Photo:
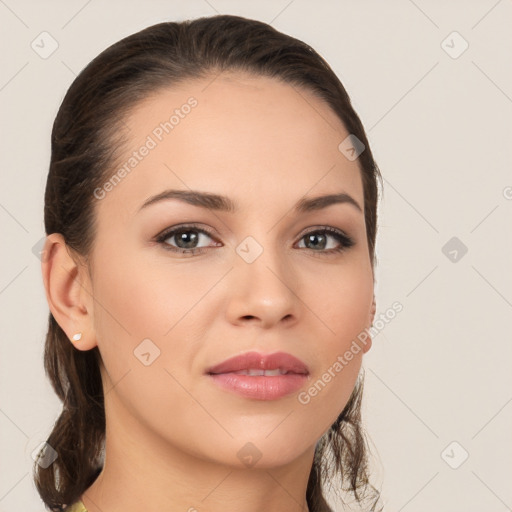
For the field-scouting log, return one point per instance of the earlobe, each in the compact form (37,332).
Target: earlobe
(67,298)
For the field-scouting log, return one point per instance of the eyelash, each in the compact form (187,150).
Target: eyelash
(345,241)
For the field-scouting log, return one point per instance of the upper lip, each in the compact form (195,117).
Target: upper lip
(254,360)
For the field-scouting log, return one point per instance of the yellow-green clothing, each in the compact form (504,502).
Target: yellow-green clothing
(78,506)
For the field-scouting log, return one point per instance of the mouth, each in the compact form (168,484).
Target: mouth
(260,377)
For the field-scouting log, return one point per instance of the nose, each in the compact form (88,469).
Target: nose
(262,292)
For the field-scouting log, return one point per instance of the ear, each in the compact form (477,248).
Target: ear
(371,316)
(372,312)
(68,293)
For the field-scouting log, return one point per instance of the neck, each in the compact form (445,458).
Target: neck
(144,472)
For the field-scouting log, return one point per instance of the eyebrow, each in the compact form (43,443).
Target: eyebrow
(225,204)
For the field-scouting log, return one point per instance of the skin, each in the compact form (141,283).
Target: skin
(173,436)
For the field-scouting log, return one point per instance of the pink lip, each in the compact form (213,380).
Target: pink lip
(281,360)
(260,387)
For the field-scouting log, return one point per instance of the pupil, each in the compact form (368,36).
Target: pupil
(313,236)
(188,238)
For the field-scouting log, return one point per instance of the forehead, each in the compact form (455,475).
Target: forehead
(239,132)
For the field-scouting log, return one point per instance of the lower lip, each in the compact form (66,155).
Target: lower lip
(260,387)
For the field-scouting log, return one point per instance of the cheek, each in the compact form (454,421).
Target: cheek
(127,311)
(138,300)
(342,302)
(143,298)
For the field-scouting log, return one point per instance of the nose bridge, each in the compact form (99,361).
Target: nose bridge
(262,280)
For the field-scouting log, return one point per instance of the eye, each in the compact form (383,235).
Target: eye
(185,239)
(318,240)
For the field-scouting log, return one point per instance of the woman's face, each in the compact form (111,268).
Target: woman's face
(265,278)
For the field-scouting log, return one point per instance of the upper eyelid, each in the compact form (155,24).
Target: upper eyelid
(168,232)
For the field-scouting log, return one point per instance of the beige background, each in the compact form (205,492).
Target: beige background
(440,128)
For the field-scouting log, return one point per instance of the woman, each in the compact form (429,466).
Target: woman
(211,211)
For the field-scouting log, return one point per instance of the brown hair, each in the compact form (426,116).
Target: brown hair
(84,137)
